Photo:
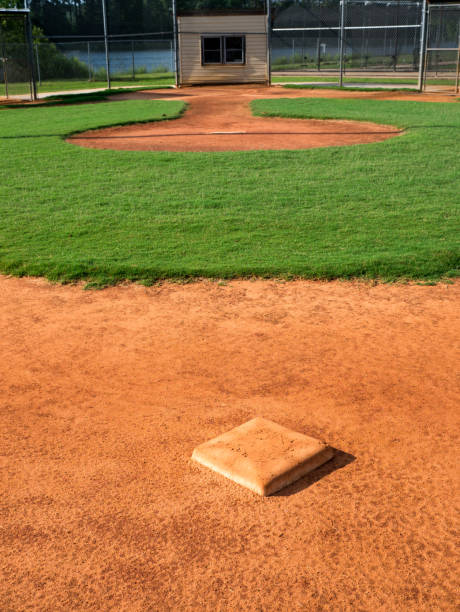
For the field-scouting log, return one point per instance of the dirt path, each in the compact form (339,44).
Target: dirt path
(104,395)
(219,119)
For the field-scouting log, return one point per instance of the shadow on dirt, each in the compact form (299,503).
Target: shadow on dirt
(338,461)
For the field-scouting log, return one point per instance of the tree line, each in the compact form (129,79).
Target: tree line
(84,17)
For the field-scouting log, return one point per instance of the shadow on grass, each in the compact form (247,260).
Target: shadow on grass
(149,94)
(338,461)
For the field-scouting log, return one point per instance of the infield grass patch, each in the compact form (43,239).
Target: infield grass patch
(387,210)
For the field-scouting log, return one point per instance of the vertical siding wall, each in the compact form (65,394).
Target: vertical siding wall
(190,29)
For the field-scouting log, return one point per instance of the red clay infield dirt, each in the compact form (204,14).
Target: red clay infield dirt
(104,395)
(219,119)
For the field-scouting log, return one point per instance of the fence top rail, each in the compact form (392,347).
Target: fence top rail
(101,36)
(100,42)
(14,11)
(376,27)
(398,3)
(86,42)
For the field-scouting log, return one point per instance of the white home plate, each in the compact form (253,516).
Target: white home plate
(263,456)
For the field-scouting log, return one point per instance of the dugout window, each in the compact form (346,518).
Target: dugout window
(211,49)
(228,49)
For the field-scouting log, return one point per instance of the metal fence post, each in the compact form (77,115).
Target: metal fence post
(132,61)
(342,40)
(269,40)
(457,76)
(106,43)
(3,60)
(38,64)
(5,75)
(421,63)
(89,61)
(396,47)
(30,54)
(176,58)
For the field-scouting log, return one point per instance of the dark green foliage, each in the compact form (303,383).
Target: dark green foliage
(66,17)
(55,65)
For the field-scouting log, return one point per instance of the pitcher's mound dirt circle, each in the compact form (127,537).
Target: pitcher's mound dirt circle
(220,120)
(311,134)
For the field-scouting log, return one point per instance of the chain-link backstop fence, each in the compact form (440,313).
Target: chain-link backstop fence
(373,36)
(129,59)
(305,37)
(382,35)
(16,68)
(379,35)
(69,63)
(443,42)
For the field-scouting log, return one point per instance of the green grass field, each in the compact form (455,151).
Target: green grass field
(387,210)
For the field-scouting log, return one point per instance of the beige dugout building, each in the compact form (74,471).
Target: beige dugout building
(216,48)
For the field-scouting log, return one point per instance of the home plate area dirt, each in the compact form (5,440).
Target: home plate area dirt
(105,394)
(220,119)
